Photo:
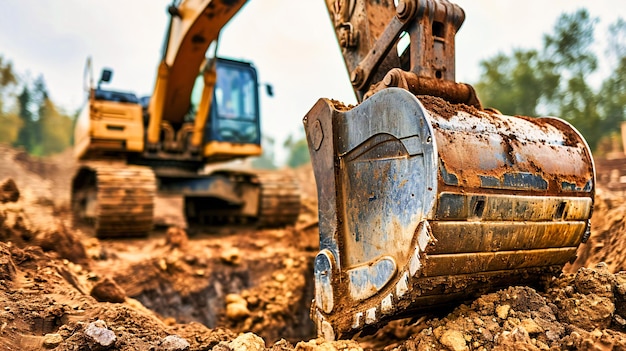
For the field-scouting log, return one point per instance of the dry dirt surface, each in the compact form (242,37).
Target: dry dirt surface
(246,289)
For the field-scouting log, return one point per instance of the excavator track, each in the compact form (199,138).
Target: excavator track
(234,197)
(117,200)
(279,203)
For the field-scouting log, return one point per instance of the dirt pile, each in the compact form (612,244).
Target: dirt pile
(250,289)
(252,281)
(607,242)
(41,180)
(576,312)
(47,304)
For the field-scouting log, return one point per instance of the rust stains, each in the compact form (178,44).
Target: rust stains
(483,149)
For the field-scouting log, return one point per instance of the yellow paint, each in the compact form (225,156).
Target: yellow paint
(224,148)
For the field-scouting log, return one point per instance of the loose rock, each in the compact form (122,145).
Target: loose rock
(9,191)
(51,341)
(98,333)
(107,290)
(503,311)
(176,237)
(237,311)
(173,343)
(247,342)
(231,255)
(454,340)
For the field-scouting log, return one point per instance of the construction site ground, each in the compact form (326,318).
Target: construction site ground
(246,289)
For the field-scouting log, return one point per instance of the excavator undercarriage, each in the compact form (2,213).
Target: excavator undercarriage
(117,199)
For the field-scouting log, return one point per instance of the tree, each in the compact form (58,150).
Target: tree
(7,75)
(25,137)
(298,151)
(44,130)
(9,120)
(516,84)
(570,52)
(55,129)
(550,81)
(612,102)
(30,101)
(11,125)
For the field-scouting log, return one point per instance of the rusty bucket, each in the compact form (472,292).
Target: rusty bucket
(424,203)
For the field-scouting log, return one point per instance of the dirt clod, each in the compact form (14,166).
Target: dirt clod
(236,307)
(320,344)
(176,237)
(107,290)
(454,340)
(51,341)
(231,255)
(247,342)
(9,191)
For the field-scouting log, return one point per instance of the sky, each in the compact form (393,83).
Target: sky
(291,42)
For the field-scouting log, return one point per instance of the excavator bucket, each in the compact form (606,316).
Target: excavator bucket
(424,203)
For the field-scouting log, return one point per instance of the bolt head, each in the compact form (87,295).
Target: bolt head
(356,76)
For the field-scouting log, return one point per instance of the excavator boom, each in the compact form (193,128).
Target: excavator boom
(194,25)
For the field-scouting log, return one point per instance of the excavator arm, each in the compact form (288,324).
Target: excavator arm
(371,35)
(194,25)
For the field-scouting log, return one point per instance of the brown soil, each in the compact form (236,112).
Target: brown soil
(63,289)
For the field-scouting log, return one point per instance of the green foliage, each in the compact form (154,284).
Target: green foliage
(7,75)
(9,120)
(613,98)
(569,47)
(26,137)
(516,85)
(33,121)
(56,129)
(11,125)
(555,79)
(612,102)
(298,152)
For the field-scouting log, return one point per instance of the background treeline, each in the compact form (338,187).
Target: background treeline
(28,118)
(562,78)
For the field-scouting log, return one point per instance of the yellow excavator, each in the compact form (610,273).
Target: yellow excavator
(203,111)
(426,198)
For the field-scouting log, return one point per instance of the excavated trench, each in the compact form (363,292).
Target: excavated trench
(272,313)
(204,306)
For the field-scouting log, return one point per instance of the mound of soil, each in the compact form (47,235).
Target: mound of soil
(248,289)
(607,242)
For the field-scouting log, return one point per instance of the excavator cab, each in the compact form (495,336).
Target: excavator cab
(234,115)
